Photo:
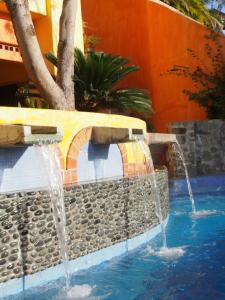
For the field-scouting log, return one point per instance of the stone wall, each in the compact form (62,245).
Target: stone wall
(203,145)
(98,215)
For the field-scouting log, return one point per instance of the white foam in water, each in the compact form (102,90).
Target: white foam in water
(171,253)
(203,213)
(179,213)
(150,250)
(80,292)
(168,253)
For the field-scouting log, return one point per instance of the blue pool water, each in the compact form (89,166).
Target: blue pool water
(142,275)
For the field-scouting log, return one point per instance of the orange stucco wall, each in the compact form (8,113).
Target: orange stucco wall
(6,30)
(155,37)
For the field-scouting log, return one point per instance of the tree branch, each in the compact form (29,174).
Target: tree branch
(32,56)
(66,49)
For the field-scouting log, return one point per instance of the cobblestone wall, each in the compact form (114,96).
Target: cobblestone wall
(203,145)
(98,215)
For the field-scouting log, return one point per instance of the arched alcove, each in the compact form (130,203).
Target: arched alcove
(98,162)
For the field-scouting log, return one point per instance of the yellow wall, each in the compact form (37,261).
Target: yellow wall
(36,6)
(72,122)
(56,8)
(47,28)
(45,33)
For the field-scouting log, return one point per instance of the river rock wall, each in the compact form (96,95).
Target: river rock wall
(203,145)
(98,215)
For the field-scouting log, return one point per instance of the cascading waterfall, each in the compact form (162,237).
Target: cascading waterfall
(195,213)
(179,149)
(134,149)
(165,251)
(55,189)
(158,208)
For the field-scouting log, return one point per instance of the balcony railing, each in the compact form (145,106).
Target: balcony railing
(10,52)
(8,44)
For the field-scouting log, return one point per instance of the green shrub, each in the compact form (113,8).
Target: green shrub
(209,82)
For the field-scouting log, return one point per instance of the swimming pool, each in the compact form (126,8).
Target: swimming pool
(144,275)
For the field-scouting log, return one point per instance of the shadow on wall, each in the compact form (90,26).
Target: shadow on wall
(158,152)
(97,151)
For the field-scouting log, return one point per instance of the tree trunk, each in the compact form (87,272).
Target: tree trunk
(66,50)
(32,56)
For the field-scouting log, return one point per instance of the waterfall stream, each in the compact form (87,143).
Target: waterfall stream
(55,189)
(179,149)
(165,251)
(196,214)
(158,208)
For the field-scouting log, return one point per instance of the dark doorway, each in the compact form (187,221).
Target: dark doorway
(7,95)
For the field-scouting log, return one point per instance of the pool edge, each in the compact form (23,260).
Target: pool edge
(19,285)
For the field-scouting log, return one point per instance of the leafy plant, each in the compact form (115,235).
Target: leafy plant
(197,10)
(209,82)
(96,79)
(90,41)
(28,96)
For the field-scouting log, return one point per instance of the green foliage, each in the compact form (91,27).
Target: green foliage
(28,96)
(209,82)
(197,10)
(90,41)
(96,80)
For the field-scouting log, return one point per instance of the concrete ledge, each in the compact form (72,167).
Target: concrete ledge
(11,135)
(160,138)
(16,286)
(110,135)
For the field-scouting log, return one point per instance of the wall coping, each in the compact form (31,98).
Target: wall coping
(176,11)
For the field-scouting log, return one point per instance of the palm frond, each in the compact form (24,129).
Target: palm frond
(96,75)
(198,10)
(132,99)
(51,58)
